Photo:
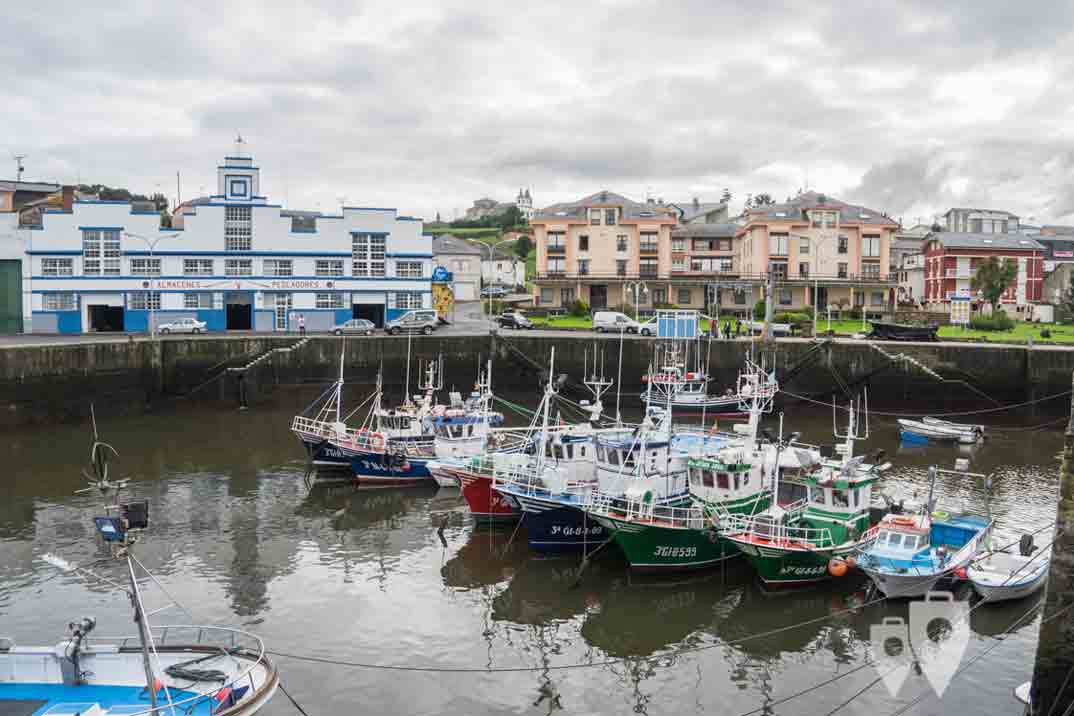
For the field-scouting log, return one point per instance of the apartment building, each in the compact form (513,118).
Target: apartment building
(980,221)
(601,249)
(951,259)
(817,244)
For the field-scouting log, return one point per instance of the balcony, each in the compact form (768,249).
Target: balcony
(957,273)
(557,248)
(648,248)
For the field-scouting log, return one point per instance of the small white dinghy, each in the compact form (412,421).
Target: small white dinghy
(1000,576)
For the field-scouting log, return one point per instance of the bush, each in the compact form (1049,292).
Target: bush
(797,318)
(578,308)
(758,310)
(998,321)
(1045,333)
(495,305)
(664,307)
(853,314)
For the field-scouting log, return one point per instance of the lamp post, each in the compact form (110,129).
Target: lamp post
(491,248)
(151,243)
(636,286)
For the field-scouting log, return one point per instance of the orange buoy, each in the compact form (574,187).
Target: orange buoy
(837,567)
(157,686)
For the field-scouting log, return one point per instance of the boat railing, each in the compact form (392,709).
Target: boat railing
(778,532)
(228,639)
(795,509)
(320,428)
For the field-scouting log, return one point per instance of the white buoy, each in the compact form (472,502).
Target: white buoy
(962,464)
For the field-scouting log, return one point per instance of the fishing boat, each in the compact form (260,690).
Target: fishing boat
(936,430)
(909,554)
(809,540)
(681,380)
(195,670)
(323,421)
(1001,576)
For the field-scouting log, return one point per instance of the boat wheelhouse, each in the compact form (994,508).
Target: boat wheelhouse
(462,428)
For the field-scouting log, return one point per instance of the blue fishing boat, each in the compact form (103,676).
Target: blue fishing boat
(908,555)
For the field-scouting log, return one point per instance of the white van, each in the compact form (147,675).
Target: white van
(618,322)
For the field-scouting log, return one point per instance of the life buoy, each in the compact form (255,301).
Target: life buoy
(897,520)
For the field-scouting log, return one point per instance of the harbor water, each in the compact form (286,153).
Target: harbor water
(359,579)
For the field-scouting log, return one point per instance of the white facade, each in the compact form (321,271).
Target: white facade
(912,278)
(503,271)
(234,262)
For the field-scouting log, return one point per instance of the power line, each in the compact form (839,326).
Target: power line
(940,415)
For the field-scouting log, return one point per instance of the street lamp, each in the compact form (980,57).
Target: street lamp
(151,242)
(636,286)
(490,248)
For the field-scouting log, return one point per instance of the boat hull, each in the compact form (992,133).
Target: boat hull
(552,527)
(323,453)
(387,470)
(657,549)
(778,567)
(905,586)
(486,504)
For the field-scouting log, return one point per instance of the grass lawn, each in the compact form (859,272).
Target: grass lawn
(564,322)
(1020,334)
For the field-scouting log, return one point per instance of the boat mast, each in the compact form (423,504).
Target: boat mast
(339,383)
(932,486)
(406,395)
(548,393)
(143,635)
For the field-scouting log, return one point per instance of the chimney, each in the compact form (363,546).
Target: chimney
(68,201)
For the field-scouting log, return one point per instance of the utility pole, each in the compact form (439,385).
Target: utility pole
(769,291)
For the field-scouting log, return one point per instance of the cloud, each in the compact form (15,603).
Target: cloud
(908,108)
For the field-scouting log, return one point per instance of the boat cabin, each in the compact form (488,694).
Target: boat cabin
(902,535)
(723,478)
(631,456)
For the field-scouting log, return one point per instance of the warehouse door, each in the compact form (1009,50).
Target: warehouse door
(10,296)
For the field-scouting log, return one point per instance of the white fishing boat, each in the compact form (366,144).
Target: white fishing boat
(184,670)
(1001,576)
(936,430)
(678,380)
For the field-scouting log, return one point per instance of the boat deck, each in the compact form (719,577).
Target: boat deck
(89,700)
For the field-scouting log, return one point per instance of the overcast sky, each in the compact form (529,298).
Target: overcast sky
(908,110)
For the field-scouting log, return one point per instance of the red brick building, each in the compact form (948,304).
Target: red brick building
(952,258)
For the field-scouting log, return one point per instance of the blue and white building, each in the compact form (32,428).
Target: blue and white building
(233,260)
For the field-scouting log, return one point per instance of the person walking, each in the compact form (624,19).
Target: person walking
(302,324)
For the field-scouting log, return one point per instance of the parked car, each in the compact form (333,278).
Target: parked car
(181,325)
(515,319)
(359,326)
(422,320)
(619,322)
(493,291)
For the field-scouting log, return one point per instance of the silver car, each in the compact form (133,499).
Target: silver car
(357,326)
(422,320)
(181,325)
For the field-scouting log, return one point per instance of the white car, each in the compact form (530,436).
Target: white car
(181,325)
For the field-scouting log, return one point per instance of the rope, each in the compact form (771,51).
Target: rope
(938,415)
(292,700)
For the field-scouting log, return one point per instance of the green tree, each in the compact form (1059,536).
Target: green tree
(511,217)
(523,246)
(1066,300)
(763,200)
(993,277)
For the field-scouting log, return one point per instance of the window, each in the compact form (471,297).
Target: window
(870,269)
(238,228)
(408,300)
(843,243)
(367,254)
(876,298)
(408,269)
(101,252)
(778,269)
(547,295)
(278,267)
(621,243)
(197,267)
(803,269)
(841,270)
(331,300)
(58,302)
(556,241)
(803,246)
(57,267)
(678,244)
(566,295)
(197,300)
(145,267)
(727,265)
(684,296)
(870,246)
(777,244)
(648,242)
(609,217)
(144,300)
(678,263)
(660,296)
(740,296)
(620,267)
(583,243)
(648,268)
(460,265)
(583,267)
(707,478)
(238,267)
(557,265)
(723,480)
(329,268)
(594,217)
(859,298)
(785,297)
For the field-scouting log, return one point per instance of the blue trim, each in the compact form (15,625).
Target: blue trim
(241,159)
(408,218)
(100,228)
(409,256)
(236,183)
(369,233)
(49,210)
(54,253)
(242,254)
(224,289)
(303,231)
(66,321)
(238,166)
(366,208)
(144,213)
(236,203)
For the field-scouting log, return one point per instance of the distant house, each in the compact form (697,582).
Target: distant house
(486,207)
(980,221)
(952,258)
(16,194)
(504,268)
(463,260)
(696,211)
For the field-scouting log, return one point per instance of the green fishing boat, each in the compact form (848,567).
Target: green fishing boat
(809,540)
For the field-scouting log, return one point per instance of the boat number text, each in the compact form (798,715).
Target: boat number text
(676,551)
(574,531)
